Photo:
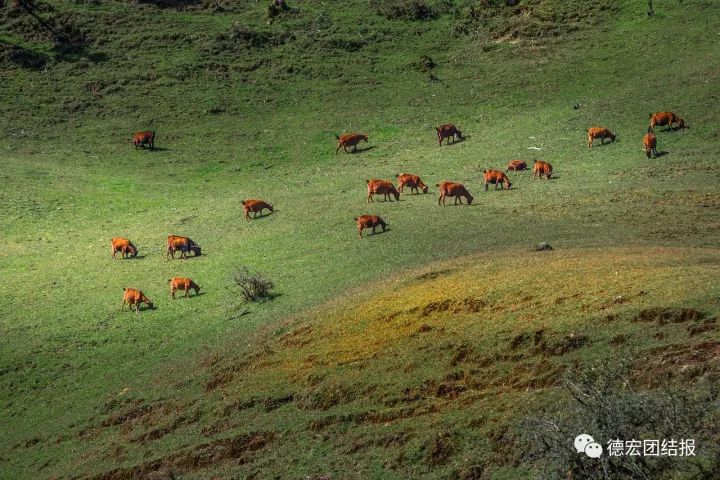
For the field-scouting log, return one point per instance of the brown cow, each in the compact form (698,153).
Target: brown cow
(447,130)
(650,143)
(451,189)
(666,118)
(143,138)
(516,166)
(369,221)
(412,181)
(255,206)
(350,140)
(183,245)
(496,177)
(599,132)
(182,283)
(542,169)
(134,297)
(381,187)
(123,245)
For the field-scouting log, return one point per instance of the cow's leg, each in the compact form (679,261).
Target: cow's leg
(122,305)
(360,232)
(373,229)
(186,292)
(113,254)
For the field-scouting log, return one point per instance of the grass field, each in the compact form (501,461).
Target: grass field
(334,376)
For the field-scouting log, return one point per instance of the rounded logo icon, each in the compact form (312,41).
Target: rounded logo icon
(582,441)
(593,450)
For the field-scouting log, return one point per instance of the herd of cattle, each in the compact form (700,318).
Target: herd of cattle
(540,169)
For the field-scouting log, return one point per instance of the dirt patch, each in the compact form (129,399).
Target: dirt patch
(439,449)
(208,454)
(708,325)
(661,316)
(465,305)
(682,362)
(218,380)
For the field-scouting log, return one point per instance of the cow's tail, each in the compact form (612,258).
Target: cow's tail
(355,219)
(650,115)
(337,137)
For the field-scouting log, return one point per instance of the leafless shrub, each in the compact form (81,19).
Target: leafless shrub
(253,286)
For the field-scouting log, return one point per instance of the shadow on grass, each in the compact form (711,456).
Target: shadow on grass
(362,149)
(661,154)
(156,149)
(459,140)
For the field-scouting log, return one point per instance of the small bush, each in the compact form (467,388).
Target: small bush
(254,287)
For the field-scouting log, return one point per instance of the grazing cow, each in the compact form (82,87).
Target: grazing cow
(350,140)
(516,166)
(448,131)
(601,133)
(666,118)
(369,221)
(124,246)
(183,245)
(650,143)
(451,189)
(134,297)
(542,169)
(146,137)
(182,283)
(255,206)
(381,187)
(412,181)
(496,177)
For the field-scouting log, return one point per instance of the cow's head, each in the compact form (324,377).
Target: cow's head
(459,133)
(681,122)
(469,199)
(150,304)
(396,194)
(196,250)
(132,250)
(612,136)
(270,207)
(364,137)
(425,188)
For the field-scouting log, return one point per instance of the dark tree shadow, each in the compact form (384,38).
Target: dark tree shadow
(22,57)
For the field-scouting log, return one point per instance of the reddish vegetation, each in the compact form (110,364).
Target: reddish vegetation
(350,140)
(542,169)
(134,297)
(255,206)
(451,189)
(448,131)
(369,221)
(381,187)
(496,177)
(412,181)
(599,132)
(183,283)
(124,246)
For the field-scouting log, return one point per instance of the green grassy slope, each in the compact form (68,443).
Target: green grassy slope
(252,112)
